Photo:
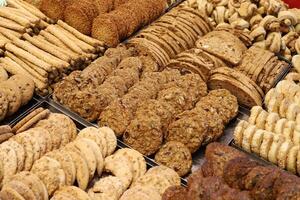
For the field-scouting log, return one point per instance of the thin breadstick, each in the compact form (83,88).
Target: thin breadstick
(48,48)
(27,67)
(9,33)
(26,12)
(83,45)
(23,14)
(29,57)
(48,58)
(42,115)
(3,41)
(79,35)
(67,41)
(43,24)
(42,72)
(7,14)
(7,23)
(51,38)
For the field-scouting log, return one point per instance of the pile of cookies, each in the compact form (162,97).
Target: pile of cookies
(230,173)
(15,92)
(22,150)
(174,32)
(52,54)
(102,82)
(5,133)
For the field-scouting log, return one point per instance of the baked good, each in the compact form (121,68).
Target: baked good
(175,193)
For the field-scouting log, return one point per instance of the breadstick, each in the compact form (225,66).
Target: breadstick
(26,12)
(51,38)
(3,40)
(67,41)
(44,114)
(1,52)
(48,58)
(47,47)
(7,23)
(9,33)
(31,58)
(41,71)
(79,35)
(7,14)
(43,24)
(83,45)
(23,14)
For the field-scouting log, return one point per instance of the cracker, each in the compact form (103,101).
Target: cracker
(13,95)
(266,144)
(271,121)
(10,161)
(3,105)
(26,119)
(167,172)
(176,156)
(121,168)
(42,115)
(272,155)
(137,160)
(111,139)
(247,137)
(257,141)
(283,153)
(291,161)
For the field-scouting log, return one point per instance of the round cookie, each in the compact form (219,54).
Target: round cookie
(13,95)
(26,86)
(110,185)
(170,174)
(176,156)
(111,139)
(175,193)
(3,105)
(140,192)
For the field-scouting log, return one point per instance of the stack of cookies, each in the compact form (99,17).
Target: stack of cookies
(263,67)
(15,92)
(102,82)
(173,33)
(204,123)
(22,150)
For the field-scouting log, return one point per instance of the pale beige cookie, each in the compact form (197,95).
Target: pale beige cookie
(9,160)
(111,139)
(291,93)
(257,141)
(50,172)
(88,154)
(270,95)
(266,144)
(22,189)
(247,137)
(36,149)
(141,192)
(39,135)
(291,161)
(289,130)
(160,183)
(20,152)
(282,153)
(271,121)
(75,192)
(121,168)
(97,152)
(95,135)
(283,108)
(67,164)
(279,126)
(274,149)
(284,85)
(292,111)
(274,104)
(99,196)
(168,173)
(10,194)
(63,196)
(82,170)
(3,105)
(296,135)
(137,160)
(261,120)
(34,183)
(238,132)
(298,118)
(255,111)
(110,185)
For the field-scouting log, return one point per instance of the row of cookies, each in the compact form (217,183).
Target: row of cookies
(174,32)
(50,55)
(273,147)
(239,171)
(15,92)
(22,150)
(119,70)
(121,112)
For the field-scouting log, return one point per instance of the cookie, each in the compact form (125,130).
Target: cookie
(167,172)
(271,122)
(110,185)
(26,87)
(175,193)
(261,120)
(176,156)
(3,105)
(238,132)
(13,95)
(21,189)
(9,193)
(291,161)
(10,161)
(289,130)
(141,192)
(20,153)
(266,144)
(274,149)
(111,139)
(75,192)
(283,153)
(247,137)
(292,111)
(257,141)
(5,136)
(280,125)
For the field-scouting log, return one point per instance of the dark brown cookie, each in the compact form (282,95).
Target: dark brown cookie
(175,193)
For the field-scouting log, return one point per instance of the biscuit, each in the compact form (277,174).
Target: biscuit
(283,153)
(247,137)
(3,105)
(9,193)
(10,161)
(271,122)
(289,130)
(141,192)
(176,156)
(266,144)
(167,172)
(121,168)
(38,134)
(274,105)
(137,160)
(291,161)
(20,153)
(284,105)
(67,164)
(279,126)
(292,111)
(273,152)
(110,185)
(13,95)
(21,188)
(261,120)
(238,132)
(111,139)
(255,111)
(296,135)
(76,192)
(256,141)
